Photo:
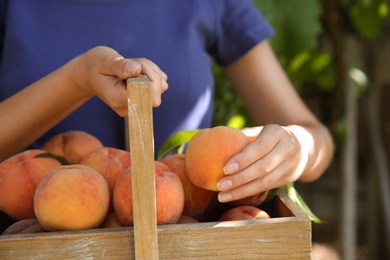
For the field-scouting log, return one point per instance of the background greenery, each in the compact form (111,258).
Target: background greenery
(300,43)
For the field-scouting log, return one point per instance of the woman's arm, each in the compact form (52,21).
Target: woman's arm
(292,143)
(101,71)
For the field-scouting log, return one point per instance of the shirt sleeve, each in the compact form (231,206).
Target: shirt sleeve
(241,26)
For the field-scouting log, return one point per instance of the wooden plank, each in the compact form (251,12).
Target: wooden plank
(141,139)
(276,238)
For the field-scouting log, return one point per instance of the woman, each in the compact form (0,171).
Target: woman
(183,38)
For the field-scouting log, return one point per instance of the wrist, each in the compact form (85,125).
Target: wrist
(306,144)
(74,73)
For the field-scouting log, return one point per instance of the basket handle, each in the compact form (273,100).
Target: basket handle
(141,146)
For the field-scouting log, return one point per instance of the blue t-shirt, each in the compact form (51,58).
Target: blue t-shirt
(181,37)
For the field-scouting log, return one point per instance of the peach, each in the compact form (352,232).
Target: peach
(19,177)
(209,150)
(111,221)
(109,162)
(24,226)
(169,196)
(73,145)
(254,200)
(72,197)
(196,199)
(186,220)
(244,213)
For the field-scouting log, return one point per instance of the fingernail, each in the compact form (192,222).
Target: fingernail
(225,197)
(230,168)
(224,184)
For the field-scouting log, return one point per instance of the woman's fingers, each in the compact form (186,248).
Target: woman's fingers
(268,162)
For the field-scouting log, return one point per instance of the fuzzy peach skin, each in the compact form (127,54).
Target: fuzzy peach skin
(196,199)
(169,196)
(72,197)
(111,221)
(19,177)
(209,150)
(110,163)
(244,213)
(73,145)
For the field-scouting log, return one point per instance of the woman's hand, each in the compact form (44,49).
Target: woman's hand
(102,72)
(292,145)
(274,159)
(99,72)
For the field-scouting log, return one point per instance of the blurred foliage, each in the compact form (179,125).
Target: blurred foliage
(296,24)
(228,109)
(367,16)
(296,42)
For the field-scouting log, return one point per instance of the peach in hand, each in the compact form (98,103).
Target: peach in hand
(72,197)
(72,145)
(209,150)
(19,177)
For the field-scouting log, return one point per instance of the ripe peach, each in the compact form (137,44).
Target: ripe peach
(209,150)
(19,177)
(109,162)
(254,200)
(24,226)
(169,196)
(72,197)
(73,145)
(196,199)
(244,213)
(111,221)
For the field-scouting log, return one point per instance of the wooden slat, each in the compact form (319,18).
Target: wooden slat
(141,139)
(276,238)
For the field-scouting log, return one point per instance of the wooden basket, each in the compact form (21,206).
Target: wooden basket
(287,235)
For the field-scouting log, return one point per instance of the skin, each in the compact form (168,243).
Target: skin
(292,144)
(98,72)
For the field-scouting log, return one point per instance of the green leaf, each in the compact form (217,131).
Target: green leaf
(313,67)
(271,194)
(368,17)
(296,197)
(59,158)
(176,143)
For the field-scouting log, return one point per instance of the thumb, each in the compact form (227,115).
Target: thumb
(126,68)
(114,64)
